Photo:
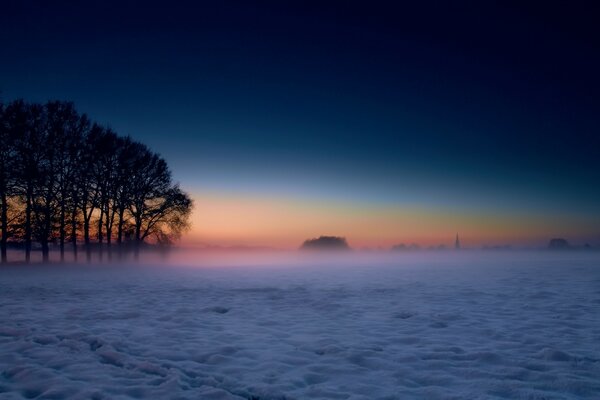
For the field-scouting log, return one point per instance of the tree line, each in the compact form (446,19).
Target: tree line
(69,181)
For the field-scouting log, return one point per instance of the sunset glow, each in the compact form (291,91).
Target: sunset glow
(242,219)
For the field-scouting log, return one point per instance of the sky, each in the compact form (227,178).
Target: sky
(384,122)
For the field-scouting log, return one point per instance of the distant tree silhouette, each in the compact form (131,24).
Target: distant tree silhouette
(326,243)
(64,178)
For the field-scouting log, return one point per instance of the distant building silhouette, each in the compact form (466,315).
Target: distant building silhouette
(457,243)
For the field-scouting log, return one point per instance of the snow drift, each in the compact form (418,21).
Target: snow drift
(421,327)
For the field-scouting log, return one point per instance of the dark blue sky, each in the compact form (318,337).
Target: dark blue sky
(466,106)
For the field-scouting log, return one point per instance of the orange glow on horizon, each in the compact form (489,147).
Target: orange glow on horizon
(248,220)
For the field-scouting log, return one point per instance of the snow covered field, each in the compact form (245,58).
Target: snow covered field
(438,326)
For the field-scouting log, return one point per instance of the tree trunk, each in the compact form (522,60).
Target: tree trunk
(74,232)
(138,239)
(4,222)
(109,245)
(47,230)
(100,219)
(28,208)
(120,231)
(86,235)
(109,225)
(45,251)
(63,230)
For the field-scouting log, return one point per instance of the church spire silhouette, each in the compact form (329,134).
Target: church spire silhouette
(457,243)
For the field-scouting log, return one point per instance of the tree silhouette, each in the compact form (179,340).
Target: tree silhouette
(64,178)
(325,243)
(7,156)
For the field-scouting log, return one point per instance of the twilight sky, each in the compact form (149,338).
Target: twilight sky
(382,123)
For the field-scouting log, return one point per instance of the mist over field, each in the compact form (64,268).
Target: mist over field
(252,325)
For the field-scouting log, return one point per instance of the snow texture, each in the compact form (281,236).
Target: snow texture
(475,327)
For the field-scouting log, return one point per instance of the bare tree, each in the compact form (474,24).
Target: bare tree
(159,209)
(168,217)
(59,172)
(87,185)
(126,162)
(104,171)
(7,157)
(26,123)
(69,127)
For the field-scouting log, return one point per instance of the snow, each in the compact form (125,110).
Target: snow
(474,326)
